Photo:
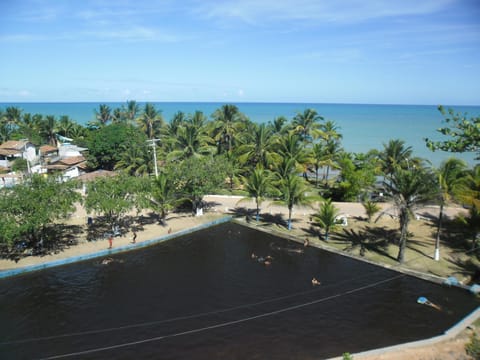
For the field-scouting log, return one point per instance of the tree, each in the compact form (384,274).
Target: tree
(258,184)
(409,190)
(326,217)
(135,159)
(103,115)
(159,194)
(307,124)
(394,154)
(48,130)
(112,197)
(196,177)
(257,146)
(469,194)
(29,209)
(451,175)
(105,144)
(292,192)
(227,123)
(191,141)
(353,180)
(463,133)
(150,121)
(371,208)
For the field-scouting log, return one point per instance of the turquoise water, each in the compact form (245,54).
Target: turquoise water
(363,126)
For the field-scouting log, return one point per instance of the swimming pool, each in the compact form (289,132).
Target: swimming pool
(202,296)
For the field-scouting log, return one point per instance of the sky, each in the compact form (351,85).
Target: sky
(318,51)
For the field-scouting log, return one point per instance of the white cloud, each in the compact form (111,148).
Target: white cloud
(345,11)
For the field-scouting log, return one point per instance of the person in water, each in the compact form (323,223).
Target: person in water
(315,282)
(107,261)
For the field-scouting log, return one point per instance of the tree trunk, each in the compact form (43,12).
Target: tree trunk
(290,218)
(258,209)
(404,219)
(439,229)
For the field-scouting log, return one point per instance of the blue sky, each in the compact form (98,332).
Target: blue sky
(327,51)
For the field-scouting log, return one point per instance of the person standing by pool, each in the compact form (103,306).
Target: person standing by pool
(134,236)
(110,241)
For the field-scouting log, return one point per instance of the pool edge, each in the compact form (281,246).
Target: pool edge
(120,249)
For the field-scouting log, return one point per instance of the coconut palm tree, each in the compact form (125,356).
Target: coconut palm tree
(48,130)
(307,124)
(191,141)
(227,123)
(257,146)
(451,175)
(326,217)
(103,115)
(470,195)
(292,192)
(409,190)
(130,112)
(135,160)
(150,121)
(162,197)
(394,154)
(258,184)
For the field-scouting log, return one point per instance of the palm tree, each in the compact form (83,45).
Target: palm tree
(451,175)
(48,130)
(131,111)
(135,160)
(29,127)
(394,154)
(326,217)
(292,192)
(371,208)
(470,195)
(103,115)
(227,123)
(150,121)
(258,184)
(409,190)
(191,141)
(162,196)
(307,124)
(257,146)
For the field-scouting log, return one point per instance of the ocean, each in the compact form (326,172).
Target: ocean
(363,126)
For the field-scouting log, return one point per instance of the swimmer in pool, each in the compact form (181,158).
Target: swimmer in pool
(315,282)
(107,261)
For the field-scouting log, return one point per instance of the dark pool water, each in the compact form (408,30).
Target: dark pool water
(201,296)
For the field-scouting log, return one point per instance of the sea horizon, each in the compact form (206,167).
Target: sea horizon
(363,126)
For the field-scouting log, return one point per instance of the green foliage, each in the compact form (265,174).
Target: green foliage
(292,192)
(347,356)
(106,145)
(353,180)
(409,189)
(20,165)
(112,197)
(326,217)
(473,347)
(26,210)
(463,134)
(196,177)
(371,208)
(258,185)
(159,194)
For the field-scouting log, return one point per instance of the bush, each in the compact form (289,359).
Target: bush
(473,347)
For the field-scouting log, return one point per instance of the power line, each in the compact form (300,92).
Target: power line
(224,324)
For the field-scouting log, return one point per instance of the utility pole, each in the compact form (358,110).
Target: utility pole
(153,143)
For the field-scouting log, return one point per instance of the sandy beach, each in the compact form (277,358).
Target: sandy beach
(219,206)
